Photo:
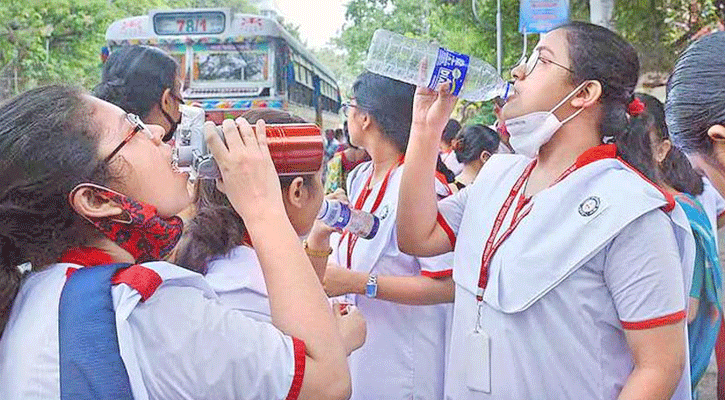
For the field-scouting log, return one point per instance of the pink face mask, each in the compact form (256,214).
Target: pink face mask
(139,229)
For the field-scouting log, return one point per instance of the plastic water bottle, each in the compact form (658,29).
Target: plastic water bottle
(399,57)
(338,215)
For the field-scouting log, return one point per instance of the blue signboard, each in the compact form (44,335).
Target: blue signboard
(541,16)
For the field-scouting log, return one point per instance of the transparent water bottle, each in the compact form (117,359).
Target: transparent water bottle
(399,57)
(338,215)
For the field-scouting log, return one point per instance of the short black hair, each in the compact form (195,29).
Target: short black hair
(389,102)
(135,77)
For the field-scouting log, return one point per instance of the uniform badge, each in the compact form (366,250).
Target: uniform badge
(384,212)
(589,206)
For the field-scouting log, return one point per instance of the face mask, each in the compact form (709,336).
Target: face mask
(139,229)
(529,132)
(173,125)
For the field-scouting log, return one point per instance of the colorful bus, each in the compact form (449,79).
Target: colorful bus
(233,62)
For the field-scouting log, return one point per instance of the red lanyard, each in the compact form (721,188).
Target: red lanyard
(492,244)
(367,190)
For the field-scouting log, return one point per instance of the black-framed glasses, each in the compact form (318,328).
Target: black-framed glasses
(531,61)
(346,107)
(137,126)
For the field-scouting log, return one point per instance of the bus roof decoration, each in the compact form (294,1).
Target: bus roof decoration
(237,28)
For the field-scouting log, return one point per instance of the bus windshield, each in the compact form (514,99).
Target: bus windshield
(228,63)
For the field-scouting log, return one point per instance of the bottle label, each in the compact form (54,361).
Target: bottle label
(344,218)
(450,67)
(374,229)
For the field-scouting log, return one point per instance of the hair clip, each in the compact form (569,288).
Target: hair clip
(636,107)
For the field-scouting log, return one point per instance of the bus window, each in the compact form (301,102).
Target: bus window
(224,64)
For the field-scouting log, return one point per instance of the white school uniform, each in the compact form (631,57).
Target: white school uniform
(179,343)
(238,280)
(594,254)
(404,353)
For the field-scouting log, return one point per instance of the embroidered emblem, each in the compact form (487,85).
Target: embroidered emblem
(384,212)
(589,206)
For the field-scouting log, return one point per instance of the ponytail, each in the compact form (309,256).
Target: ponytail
(598,54)
(10,277)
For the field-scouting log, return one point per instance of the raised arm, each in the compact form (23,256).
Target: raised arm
(298,304)
(419,233)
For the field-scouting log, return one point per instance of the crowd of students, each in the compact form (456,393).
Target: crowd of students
(568,252)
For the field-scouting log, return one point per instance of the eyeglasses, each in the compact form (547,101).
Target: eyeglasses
(533,59)
(138,126)
(346,107)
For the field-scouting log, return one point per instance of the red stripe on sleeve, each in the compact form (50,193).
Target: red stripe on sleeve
(437,274)
(143,279)
(447,229)
(655,322)
(300,359)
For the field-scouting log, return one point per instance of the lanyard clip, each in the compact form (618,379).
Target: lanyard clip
(478,317)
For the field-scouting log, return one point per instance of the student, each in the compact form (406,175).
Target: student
(448,157)
(571,270)
(695,114)
(144,81)
(672,171)
(216,244)
(473,146)
(88,195)
(405,349)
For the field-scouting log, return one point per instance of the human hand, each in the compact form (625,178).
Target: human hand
(249,178)
(321,231)
(353,327)
(432,109)
(339,281)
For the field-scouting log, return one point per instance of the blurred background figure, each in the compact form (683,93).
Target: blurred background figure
(342,162)
(447,155)
(473,145)
(144,81)
(671,170)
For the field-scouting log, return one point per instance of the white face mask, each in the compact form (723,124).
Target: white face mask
(531,131)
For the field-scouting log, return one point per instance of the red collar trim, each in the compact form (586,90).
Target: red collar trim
(86,256)
(605,151)
(597,153)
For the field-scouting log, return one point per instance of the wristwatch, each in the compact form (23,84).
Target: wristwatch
(371,288)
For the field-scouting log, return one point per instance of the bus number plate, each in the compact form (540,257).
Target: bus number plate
(203,23)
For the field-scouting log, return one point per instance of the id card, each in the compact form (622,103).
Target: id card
(478,362)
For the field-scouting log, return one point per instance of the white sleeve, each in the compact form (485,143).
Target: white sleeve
(189,346)
(644,274)
(450,213)
(437,267)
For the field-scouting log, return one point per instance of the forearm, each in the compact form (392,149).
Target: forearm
(651,383)
(317,245)
(412,290)
(417,203)
(298,304)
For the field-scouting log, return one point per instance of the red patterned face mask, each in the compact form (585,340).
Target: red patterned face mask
(139,229)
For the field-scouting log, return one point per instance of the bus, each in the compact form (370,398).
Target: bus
(233,62)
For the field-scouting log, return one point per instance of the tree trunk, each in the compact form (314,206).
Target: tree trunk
(601,12)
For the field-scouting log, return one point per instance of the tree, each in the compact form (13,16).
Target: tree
(50,41)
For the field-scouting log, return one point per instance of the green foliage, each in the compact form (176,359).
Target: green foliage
(659,29)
